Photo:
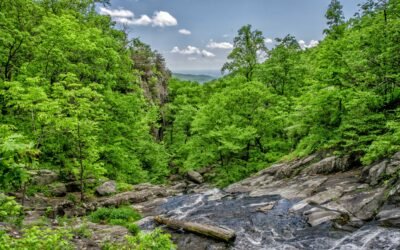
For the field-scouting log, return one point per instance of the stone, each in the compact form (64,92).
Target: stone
(58,189)
(107,188)
(376,172)
(319,216)
(363,205)
(389,217)
(43,177)
(396,156)
(101,234)
(267,207)
(195,177)
(392,168)
(133,197)
(329,165)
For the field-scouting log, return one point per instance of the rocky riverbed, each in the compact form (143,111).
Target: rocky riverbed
(311,203)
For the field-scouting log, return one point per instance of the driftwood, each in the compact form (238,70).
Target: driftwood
(215,232)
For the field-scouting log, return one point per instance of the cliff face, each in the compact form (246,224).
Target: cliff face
(154,80)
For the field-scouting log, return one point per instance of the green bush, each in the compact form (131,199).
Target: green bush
(124,187)
(156,240)
(123,216)
(10,210)
(38,238)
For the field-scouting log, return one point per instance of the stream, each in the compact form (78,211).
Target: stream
(272,228)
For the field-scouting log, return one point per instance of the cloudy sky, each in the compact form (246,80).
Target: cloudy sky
(197,35)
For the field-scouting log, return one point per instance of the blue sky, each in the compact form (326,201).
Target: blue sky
(196,35)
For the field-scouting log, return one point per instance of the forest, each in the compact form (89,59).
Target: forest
(81,98)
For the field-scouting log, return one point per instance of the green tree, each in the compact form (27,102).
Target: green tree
(248,45)
(335,19)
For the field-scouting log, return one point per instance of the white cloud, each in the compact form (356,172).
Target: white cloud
(206,53)
(191,50)
(144,20)
(163,18)
(268,40)
(311,44)
(185,32)
(159,18)
(116,13)
(222,45)
(192,58)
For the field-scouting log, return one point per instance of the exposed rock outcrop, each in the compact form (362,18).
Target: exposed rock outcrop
(107,188)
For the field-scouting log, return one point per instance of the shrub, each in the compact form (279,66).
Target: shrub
(37,238)
(155,240)
(123,216)
(10,210)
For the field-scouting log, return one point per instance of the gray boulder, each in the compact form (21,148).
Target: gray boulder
(389,216)
(195,177)
(329,165)
(43,177)
(107,188)
(58,189)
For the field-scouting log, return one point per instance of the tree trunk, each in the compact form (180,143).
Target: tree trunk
(215,232)
(81,163)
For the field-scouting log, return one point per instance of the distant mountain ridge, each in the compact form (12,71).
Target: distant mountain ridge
(202,78)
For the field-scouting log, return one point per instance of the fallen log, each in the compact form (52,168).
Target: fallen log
(215,232)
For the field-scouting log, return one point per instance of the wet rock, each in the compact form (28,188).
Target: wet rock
(389,217)
(317,216)
(107,188)
(43,177)
(58,189)
(148,206)
(266,207)
(195,177)
(363,205)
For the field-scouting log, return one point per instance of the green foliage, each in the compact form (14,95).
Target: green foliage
(10,210)
(342,96)
(17,156)
(38,238)
(123,216)
(155,240)
(124,187)
(71,89)
(244,56)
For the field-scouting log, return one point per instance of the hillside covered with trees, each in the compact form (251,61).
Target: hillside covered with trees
(81,98)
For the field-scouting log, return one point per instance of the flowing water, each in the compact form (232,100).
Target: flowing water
(277,228)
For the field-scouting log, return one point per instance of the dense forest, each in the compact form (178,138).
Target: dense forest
(81,98)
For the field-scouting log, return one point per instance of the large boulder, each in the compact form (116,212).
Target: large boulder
(58,189)
(330,165)
(389,216)
(375,173)
(107,188)
(43,177)
(195,177)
